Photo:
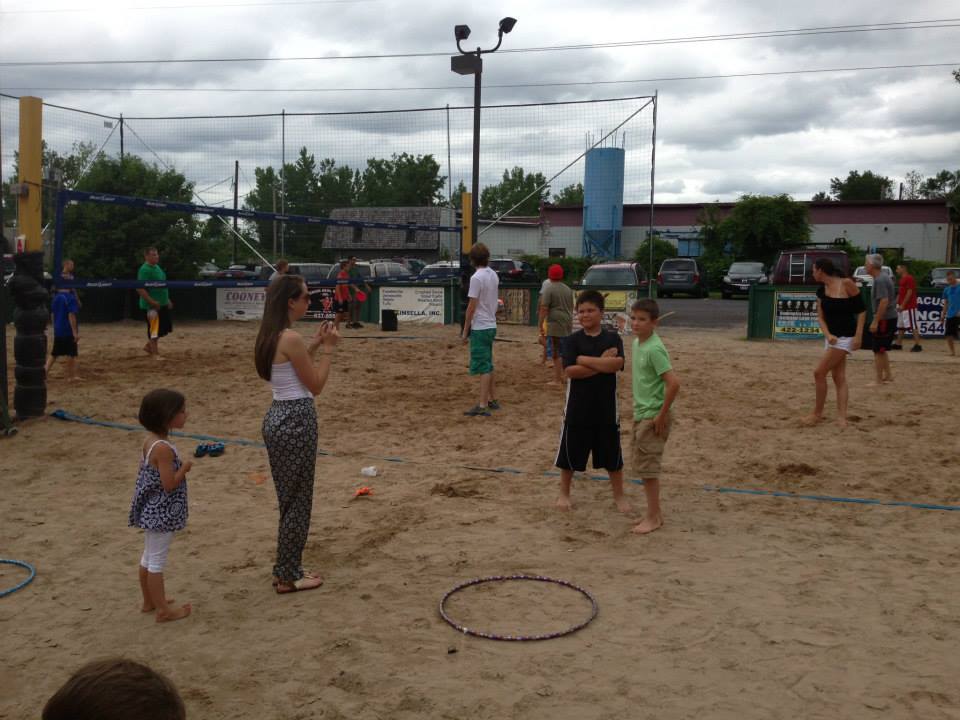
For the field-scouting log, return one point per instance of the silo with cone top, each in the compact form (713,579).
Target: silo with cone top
(603,202)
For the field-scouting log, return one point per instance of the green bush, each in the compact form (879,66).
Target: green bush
(920,269)
(662,249)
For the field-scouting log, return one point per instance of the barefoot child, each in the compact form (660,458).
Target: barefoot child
(592,358)
(655,387)
(159,504)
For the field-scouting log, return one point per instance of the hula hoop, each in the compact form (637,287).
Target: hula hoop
(502,578)
(22,584)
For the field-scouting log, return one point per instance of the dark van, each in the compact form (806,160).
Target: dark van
(795,267)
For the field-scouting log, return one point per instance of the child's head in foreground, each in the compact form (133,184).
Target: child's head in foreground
(590,309)
(160,410)
(115,689)
(644,315)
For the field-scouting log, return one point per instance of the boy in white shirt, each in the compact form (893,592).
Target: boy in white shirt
(480,327)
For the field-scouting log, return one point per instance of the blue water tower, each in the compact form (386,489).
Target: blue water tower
(603,202)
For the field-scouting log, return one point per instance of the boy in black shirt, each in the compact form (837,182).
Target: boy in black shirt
(592,357)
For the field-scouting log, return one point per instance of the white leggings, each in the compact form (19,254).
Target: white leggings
(156,545)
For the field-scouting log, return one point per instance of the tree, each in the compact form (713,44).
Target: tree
(662,249)
(62,171)
(108,241)
(516,186)
(402,181)
(757,228)
(570,195)
(912,183)
(820,197)
(862,187)
(457,199)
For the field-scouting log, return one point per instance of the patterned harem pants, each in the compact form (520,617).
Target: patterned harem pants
(290,433)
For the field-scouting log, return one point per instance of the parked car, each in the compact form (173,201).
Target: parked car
(795,266)
(439,271)
(390,269)
(208,270)
(510,270)
(615,275)
(938,276)
(376,270)
(740,277)
(363,268)
(413,265)
(241,272)
(311,272)
(683,275)
(862,277)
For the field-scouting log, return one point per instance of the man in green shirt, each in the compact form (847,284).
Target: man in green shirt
(155,301)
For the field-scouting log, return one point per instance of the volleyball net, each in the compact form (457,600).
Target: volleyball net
(73,209)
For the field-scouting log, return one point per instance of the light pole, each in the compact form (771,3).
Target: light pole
(470,63)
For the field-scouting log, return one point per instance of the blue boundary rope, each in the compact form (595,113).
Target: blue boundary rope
(64,415)
(23,583)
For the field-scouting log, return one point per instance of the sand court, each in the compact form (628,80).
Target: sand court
(742,606)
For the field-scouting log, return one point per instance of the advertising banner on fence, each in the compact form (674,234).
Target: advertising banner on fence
(930,315)
(414,304)
(796,317)
(240,303)
(321,304)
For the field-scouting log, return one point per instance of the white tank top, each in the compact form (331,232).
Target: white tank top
(285,383)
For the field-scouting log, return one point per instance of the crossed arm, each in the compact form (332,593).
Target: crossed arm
(588,366)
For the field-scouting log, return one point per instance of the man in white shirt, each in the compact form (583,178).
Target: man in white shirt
(480,327)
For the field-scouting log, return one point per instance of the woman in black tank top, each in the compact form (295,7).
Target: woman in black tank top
(841,315)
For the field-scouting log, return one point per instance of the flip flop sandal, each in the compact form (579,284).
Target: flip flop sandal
(306,574)
(202,449)
(216,449)
(304,583)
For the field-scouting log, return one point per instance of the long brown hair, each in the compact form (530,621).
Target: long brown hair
(276,319)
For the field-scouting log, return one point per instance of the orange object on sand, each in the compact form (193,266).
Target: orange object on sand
(363,491)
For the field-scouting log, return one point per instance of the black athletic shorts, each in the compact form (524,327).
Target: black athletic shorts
(341,306)
(883,337)
(951,327)
(163,325)
(579,441)
(64,346)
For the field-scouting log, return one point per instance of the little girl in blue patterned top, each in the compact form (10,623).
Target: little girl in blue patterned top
(159,504)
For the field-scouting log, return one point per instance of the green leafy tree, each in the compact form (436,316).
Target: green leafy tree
(108,241)
(820,197)
(404,180)
(571,195)
(58,171)
(662,249)
(862,187)
(495,200)
(457,199)
(757,228)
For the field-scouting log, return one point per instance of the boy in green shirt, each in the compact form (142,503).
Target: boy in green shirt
(655,387)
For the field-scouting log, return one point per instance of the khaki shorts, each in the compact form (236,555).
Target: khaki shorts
(647,447)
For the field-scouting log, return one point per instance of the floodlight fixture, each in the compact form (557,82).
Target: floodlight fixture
(506,25)
(462,32)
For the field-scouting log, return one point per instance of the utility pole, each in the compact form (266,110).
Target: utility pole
(236,179)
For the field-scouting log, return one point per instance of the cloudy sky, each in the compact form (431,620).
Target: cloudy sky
(717,137)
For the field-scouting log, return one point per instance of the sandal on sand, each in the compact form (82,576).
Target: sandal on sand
(304,583)
(306,574)
(216,449)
